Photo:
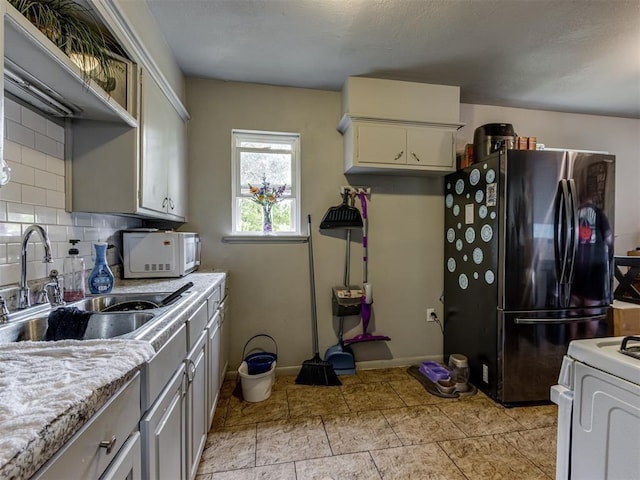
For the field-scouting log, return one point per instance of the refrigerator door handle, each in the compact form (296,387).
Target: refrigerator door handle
(533,321)
(561,229)
(572,209)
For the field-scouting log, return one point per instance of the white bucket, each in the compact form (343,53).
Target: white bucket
(256,388)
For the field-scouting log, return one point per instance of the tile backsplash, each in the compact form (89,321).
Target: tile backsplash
(34,150)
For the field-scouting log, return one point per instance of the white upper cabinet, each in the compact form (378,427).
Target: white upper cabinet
(163,138)
(392,127)
(138,171)
(37,71)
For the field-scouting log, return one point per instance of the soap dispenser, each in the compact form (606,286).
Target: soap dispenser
(101,278)
(74,275)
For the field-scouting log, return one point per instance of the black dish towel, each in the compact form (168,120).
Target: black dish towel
(67,323)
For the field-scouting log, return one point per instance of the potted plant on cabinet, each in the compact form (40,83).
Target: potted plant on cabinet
(75,30)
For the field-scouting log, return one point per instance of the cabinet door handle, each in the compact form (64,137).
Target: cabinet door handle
(415,156)
(164,202)
(108,444)
(191,371)
(398,155)
(171,204)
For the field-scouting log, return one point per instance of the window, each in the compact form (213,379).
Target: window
(269,159)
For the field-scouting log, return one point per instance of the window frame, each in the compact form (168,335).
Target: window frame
(260,136)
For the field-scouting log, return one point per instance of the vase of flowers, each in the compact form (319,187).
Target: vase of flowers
(266,196)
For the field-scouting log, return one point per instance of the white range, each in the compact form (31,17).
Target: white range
(598,398)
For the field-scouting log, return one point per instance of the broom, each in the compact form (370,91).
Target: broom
(315,371)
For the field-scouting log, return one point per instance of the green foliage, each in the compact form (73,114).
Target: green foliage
(74,29)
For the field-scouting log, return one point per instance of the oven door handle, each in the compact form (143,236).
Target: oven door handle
(546,321)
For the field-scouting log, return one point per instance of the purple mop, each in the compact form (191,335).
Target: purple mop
(367,298)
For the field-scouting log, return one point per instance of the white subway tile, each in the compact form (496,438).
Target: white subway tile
(3,253)
(33,196)
(12,110)
(12,151)
(46,145)
(34,121)
(46,180)
(55,199)
(17,212)
(82,219)
(11,192)
(75,233)
(59,150)
(55,131)
(9,273)
(64,217)
(57,233)
(10,232)
(33,158)
(92,234)
(3,211)
(60,184)
(20,134)
(46,215)
(55,165)
(13,252)
(36,269)
(22,174)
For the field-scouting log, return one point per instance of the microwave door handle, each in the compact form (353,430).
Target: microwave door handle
(198,251)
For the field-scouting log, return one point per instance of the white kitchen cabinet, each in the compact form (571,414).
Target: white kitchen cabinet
(224,338)
(127,464)
(140,171)
(394,147)
(163,432)
(100,442)
(163,143)
(213,374)
(196,399)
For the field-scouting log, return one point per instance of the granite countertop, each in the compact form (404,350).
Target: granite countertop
(49,390)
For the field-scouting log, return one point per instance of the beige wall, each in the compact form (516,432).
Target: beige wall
(269,282)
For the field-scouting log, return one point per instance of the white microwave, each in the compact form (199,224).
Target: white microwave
(152,254)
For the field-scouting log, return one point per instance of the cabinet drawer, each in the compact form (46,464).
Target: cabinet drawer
(82,456)
(127,464)
(196,324)
(160,368)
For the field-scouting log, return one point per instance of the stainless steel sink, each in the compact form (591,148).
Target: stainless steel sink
(99,302)
(100,325)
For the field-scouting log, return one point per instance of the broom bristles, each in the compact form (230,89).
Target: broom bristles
(317,372)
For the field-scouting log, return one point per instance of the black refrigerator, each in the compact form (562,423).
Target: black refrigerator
(528,265)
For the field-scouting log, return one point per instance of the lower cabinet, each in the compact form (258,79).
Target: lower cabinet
(163,432)
(197,413)
(102,442)
(213,377)
(224,340)
(127,465)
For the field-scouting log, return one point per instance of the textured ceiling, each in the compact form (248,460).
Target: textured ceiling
(565,55)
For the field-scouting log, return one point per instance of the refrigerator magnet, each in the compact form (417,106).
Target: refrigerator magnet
(492,194)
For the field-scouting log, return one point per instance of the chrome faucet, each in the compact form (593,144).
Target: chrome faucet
(23,293)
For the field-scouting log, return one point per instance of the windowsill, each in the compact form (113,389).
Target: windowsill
(265,238)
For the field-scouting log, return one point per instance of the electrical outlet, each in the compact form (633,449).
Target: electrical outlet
(430,312)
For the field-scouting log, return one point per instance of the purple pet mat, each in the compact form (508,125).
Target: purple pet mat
(429,386)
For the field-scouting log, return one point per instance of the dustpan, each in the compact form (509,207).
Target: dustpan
(342,216)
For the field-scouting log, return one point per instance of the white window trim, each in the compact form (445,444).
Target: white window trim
(249,237)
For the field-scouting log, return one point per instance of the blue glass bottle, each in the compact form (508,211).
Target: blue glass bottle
(101,278)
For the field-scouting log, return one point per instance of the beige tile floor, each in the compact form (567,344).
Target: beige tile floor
(380,424)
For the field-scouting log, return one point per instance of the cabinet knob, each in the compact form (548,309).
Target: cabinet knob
(415,156)
(398,155)
(108,444)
